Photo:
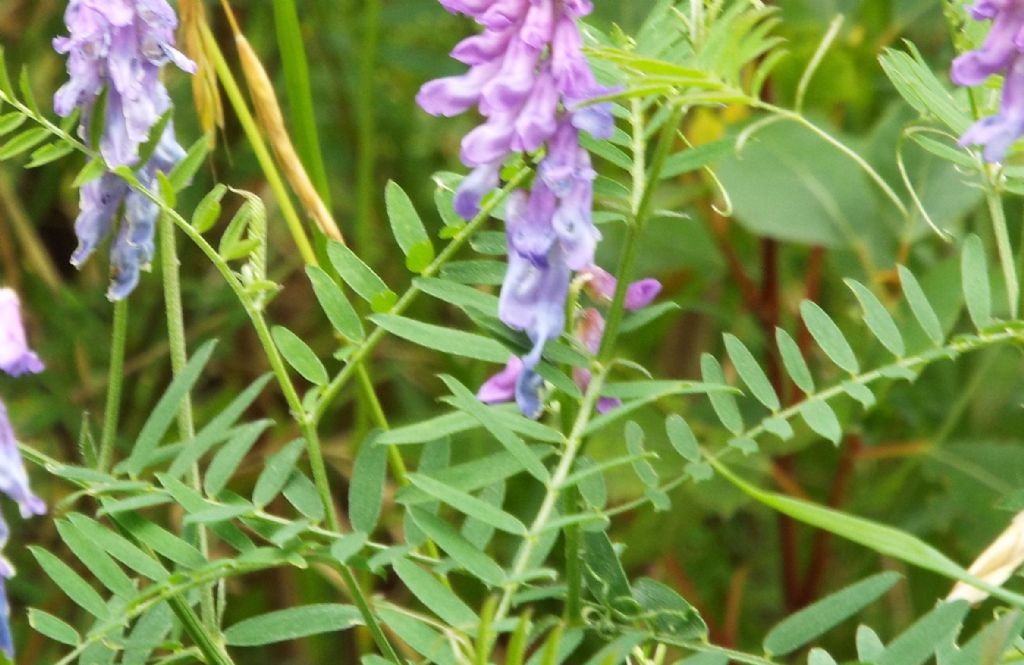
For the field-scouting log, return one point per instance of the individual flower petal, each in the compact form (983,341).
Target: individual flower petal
(481,181)
(16,358)
(601,286)
(502,386)
(13,479)
(999,132)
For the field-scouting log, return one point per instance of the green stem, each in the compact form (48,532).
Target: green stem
(366,118)
(115,385)
(179,359)
(573,562)
(1006,258)
(259,148)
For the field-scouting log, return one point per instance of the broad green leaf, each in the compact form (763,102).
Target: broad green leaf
(917,644)
(207,213)
(885,540)
(457,422)
(814,620)
(635,445)
(183,172)
(99,564)
(673,615)
(48,154)
(298,354)
(360,277)
(820,657)
(458,548)
(794,362)
(348,546)
(820,417)
(435,596)
(165,543)
(11,121)
(462,296)
(696,158)
(23,142)
(292,624)
(604,574)
(467,401)
(429,643)
(468,504)
(301,492)
(336,306)
(750,371)
(869,645)
(446,340)
(70,583)
(221,513)
(366,491)
(53,628)
(408,228)
(148,633)
(915,81)
(977,290)
(828,336)
(724,404)
(93,169)
(227,459)
(119,547)
(276,472)
(919,305)
(166,410)
(878,319)
(472,475)
(682,438)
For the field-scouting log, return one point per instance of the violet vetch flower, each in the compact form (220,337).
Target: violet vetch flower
(530,81)
(1002,53)
(119,47)
(16,359)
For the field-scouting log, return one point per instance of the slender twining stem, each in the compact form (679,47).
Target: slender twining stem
(115,385)
(259,148)
(366,119)
(177,344)
(1007,260)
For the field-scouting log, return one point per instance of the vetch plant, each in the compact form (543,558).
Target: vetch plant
(761,415)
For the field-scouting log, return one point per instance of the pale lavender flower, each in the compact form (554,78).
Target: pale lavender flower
(1002,53)
(119,47)
(16,358)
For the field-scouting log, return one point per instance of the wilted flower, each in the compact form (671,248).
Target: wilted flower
(1002,53)
(16,359)
(116,50)
(530,81)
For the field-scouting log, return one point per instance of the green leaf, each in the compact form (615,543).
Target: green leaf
(471,476)
(276,472)
(360,277)
(70,583)
(820,417)
(820,657)
(457,422)
(751,373)
(915,81)
(869,645)
(11,121)
(828,336)
(672,615)
(348,546)
(98,562)
(48,154)
(292,624)
(469,505)
(682,438)
(166,410)
(408,228)
(431,644)
(814,620)
(989,644)
(724,404)
(883,539)
(696,158)
(635,445)
(604,574)
(160,540)
(467,401)
(183,172)
(445,340)
(298,354)
(53,628)
(93,169)
(301,492)
(227,459)
(878,319)
(466,298)
(216,514)
(977,290)
(919,305)
(917,644)
(366,491)
(119,547)
(23,142)
(438,598)
(148,633)
(467,555)
(336,306)
(209,209)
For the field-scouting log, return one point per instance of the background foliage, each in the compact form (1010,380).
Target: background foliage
(787,219)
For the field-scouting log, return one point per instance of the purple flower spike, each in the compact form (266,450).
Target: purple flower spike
(16,358)
(1002,53)
(120,47)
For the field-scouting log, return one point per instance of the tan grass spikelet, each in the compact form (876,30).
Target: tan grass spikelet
(205,92)
(996,564)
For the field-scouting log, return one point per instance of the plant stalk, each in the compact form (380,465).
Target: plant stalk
(115,386)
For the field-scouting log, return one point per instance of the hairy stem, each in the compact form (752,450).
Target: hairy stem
(1007,260)
(115,386)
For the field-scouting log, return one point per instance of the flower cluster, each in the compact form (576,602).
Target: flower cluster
(1002,53)
(116,50)
(16,359)
(600,287)
(529,79)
